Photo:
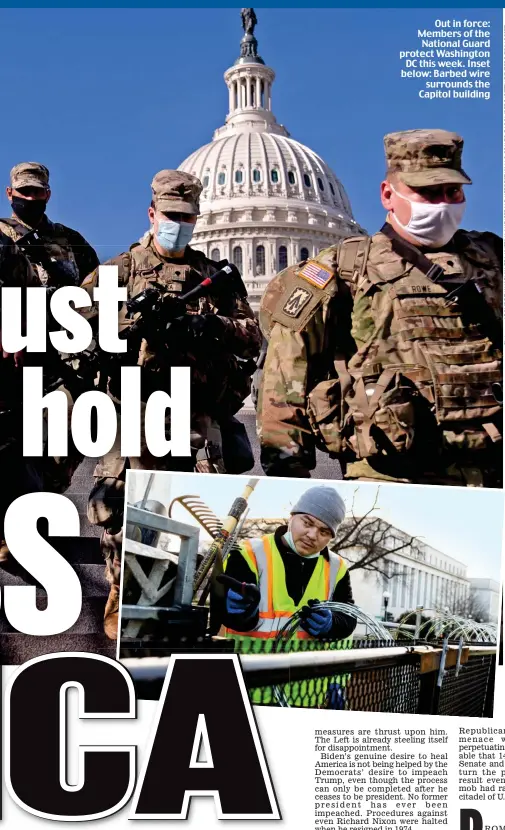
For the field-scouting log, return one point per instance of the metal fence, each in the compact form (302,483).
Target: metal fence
(420,679)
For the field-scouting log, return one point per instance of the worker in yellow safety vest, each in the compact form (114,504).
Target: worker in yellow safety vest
(281,572)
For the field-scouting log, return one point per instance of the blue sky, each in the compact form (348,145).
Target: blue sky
(464,523)
(106,97)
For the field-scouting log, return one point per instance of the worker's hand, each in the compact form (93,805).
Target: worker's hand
(239,604)
(317,621)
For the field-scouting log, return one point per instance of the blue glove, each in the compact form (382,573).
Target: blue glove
(318,621)
(334,697)
(238,604)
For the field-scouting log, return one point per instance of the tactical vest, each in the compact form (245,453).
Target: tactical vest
(219,385)
(276,606)
(424,368)
(54,248)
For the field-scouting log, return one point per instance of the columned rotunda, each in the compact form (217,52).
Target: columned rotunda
(268,201)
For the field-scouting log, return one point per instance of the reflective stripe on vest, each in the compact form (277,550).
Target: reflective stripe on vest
(276,606)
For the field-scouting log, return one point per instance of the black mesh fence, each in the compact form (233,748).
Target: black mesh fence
(399,683)
(470,691)
(272,646)
(393,688)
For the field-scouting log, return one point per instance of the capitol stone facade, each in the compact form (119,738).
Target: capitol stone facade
(267,201)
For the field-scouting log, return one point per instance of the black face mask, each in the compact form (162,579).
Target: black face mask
(30,211)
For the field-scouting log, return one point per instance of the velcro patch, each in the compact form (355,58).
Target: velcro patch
(296,301)
(316,273)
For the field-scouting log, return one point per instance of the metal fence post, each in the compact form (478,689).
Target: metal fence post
(489,701)
(419,613)
(427,690)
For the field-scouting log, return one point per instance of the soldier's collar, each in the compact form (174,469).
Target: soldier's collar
(43,225)
(184,260)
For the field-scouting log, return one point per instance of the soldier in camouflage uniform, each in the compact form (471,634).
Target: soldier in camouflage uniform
(386,351)
(218,328)
(24,474)
(60,255)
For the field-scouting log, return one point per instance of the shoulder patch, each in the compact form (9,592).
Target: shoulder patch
(316,273)
(298,298)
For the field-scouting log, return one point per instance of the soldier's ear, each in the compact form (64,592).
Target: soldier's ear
(150,213)
(48,196)
(386,195)
(8,192)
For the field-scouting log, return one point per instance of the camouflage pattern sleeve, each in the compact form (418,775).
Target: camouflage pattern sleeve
(287,443)
(91,282)
(15,269)
(363,319)
(242,335)
(85,255)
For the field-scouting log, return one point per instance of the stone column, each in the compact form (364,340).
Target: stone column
(258,92)
(231,100)
(248,91)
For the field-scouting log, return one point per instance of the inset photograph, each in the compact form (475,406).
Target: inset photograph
(347,596)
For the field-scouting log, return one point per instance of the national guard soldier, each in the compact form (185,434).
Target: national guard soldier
(386,351)
(23,474)
(61,255)
(217,337)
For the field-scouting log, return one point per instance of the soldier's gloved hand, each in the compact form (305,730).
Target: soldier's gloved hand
(207,325)
(238,604)
(316,621)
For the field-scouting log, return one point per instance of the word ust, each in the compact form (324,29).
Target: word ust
(24,327)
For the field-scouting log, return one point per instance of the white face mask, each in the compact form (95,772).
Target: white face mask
(431,225)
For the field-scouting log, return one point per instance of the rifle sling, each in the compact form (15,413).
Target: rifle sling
(412,254)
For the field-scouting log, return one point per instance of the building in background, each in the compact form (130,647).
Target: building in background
(486,597)
(268,201)
(415,575)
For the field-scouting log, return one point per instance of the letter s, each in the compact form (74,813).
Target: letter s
(57,577)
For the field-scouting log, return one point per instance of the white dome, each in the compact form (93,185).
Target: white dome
(267,200)
(264,165)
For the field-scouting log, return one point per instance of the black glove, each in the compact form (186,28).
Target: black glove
(206,325)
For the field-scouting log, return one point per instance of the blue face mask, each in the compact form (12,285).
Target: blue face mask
(174,236)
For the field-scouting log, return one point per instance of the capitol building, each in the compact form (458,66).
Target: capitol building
(267,201)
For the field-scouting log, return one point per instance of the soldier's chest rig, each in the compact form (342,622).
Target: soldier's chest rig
(48,251)
(432,358)
(142,269)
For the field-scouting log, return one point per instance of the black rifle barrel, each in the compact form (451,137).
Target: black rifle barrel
(202,287)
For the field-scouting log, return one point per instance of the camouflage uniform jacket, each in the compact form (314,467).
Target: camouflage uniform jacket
(64,245)
(142,265)
(240,337)
(334,325)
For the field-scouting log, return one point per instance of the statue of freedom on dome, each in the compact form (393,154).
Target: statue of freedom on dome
(249,20)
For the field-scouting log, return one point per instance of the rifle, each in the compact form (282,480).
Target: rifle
(160,319)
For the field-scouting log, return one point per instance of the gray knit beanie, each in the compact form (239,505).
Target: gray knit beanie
(324,503)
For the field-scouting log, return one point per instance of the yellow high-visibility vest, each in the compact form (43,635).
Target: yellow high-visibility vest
(276,606)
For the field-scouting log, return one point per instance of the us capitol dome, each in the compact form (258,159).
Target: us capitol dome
(267,200)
